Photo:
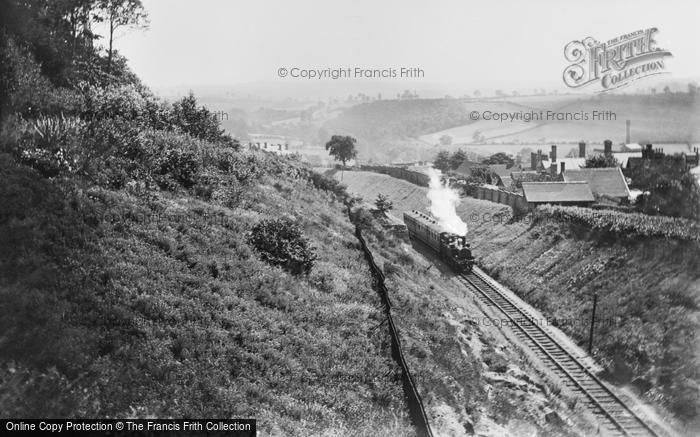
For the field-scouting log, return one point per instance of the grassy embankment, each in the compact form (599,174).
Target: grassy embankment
(121,303)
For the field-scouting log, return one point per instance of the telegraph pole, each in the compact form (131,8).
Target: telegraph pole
(590,336)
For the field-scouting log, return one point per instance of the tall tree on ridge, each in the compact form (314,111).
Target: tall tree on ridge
(121,13)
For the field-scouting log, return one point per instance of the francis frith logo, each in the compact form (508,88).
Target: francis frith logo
(614,63)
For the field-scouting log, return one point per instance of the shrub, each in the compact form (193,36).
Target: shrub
(362,218)
(383,203)
(245,167)
(115,101)
(321,182)
(280,242)
(390,268)
(172,159)
(49,144)
(181,165)
(199,122)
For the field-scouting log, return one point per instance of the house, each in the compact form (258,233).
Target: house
(624,157)
(539,161)
(604,182)
(501,175)
(499,169)
(525,176)
(465,169)
(563,164)
(558,193)
(504,182)
(269,143)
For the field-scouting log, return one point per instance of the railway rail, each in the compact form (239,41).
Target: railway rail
(616,417)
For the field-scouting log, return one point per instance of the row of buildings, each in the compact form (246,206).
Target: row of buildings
(282,145)
(567,181)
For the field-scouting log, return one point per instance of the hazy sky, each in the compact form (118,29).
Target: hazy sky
(486,43)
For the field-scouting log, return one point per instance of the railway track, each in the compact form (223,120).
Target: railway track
(616,418)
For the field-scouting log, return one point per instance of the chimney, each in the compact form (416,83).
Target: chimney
(607,147)
(553,154)
(648,153)
(533,160)
(582,149)
(627,137)
(563,167)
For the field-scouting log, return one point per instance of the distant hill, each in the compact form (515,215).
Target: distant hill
(385,127)
(655,118)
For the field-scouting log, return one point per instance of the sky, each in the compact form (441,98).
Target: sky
(502,44)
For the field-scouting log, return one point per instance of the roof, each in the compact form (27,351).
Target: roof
(674,148)
(603,181)
(421,217)
(554,192)
(499,169)
(529,175)
(466,166)
(570,163)
(623,157)
(507,181)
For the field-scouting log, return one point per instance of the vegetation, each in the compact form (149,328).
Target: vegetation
(445,140)
(624,224)
(500,158)
(118,14)
(383,203)
(342,148)
(385,119)
(281,242)
(128,282)
(601,161)
(442,161)
(669,188)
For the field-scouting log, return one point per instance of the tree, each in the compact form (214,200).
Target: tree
(670,189)
(601,161)
(199,122)
(442,161)
(675,197)
(500,158)
(342,148)
(121,13)
(457,159)
(477,137)
(383,203)
(445,140)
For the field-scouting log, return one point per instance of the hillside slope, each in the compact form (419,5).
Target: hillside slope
(648,320)
(118,303)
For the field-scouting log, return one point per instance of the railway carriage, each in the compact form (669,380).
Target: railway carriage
(452,248)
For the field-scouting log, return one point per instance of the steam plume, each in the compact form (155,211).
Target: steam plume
(443,203)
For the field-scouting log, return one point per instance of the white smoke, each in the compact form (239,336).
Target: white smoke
(443,205)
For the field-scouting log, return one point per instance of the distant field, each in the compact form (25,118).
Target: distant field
(661,118)
(488,128)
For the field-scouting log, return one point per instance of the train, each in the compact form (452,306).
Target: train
(453,249)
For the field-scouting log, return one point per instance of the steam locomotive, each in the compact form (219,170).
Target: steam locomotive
(452,248)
